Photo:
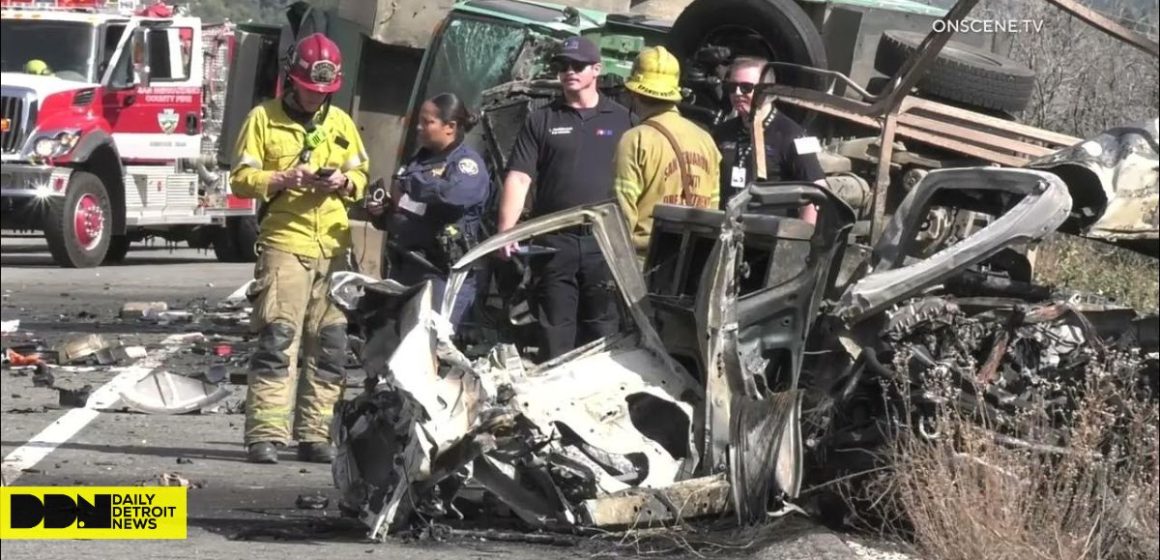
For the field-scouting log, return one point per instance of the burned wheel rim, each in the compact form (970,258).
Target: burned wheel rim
(88,222)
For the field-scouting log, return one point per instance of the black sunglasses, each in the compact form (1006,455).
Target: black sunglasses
(559,66)
(745,87)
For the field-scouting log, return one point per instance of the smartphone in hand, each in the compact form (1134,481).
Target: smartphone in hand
(324,172)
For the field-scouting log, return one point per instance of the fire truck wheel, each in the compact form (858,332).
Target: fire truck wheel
(234,242)
(224,247)
(77,226)
(244,230)
(118,249)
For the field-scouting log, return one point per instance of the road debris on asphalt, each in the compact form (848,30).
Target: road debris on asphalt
(142,310)
(311,501)
(119,355)
(77,349)
(74,398)
(163,392)
(9,327)
(43,376)
(17,359)
(171,479)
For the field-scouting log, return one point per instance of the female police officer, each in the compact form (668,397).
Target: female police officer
(437,202)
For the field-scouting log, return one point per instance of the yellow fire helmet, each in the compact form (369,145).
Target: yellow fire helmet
(656,74)
(38,67)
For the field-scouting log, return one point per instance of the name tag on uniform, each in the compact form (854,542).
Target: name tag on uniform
(416,208)
(807,145)
(737,180)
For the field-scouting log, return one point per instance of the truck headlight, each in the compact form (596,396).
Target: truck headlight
(45,147)
(67,140)
(55,146)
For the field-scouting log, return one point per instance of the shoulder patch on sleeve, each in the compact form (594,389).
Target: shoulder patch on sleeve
(467,166)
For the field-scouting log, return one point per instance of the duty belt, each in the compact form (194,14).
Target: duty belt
(580,230)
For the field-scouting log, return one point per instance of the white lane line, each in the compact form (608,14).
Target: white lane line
(72,422)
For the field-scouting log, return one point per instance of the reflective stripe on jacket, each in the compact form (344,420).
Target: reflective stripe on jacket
(299,221)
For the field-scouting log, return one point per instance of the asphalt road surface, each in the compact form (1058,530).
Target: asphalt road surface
(236,509)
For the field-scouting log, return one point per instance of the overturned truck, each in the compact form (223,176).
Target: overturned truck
(740,316)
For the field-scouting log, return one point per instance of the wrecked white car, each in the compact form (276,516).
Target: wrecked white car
(617,432)
(695,408)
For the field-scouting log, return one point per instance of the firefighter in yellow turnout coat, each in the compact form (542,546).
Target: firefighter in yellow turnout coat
(305,162)
(666,158)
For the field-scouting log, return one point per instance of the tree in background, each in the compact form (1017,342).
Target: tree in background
(1087,82)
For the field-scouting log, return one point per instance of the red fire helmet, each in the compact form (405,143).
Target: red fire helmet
(317,64)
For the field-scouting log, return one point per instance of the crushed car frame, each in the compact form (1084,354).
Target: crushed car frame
(695,407)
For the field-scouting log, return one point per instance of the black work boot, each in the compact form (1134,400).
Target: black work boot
(262,452)
(315,452)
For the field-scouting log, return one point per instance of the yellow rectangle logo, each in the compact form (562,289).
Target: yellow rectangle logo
(93,512)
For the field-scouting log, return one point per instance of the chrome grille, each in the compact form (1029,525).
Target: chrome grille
(15,112)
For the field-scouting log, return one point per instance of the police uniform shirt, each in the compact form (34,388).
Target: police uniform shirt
(438,189)
(568,153)
(790,155)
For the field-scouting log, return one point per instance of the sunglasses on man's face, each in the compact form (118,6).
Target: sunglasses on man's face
(561,66)
(745,87)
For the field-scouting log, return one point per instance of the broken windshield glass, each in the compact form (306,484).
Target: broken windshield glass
(473,55)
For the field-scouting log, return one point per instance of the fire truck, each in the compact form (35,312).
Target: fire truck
(113,128)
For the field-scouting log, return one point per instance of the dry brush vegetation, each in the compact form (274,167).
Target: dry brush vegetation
(972,493)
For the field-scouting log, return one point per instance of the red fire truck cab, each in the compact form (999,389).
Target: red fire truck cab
(112,129)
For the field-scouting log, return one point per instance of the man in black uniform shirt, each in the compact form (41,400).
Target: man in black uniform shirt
(790,155)
(566,149)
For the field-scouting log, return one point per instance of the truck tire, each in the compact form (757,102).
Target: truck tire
(961,72)
(244,230)
(118,249)
(234,242)
(784,28)
(224,247)
(78,225)
(201,237)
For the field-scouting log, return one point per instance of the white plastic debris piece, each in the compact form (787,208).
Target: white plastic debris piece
(9,327)
(172,479)
(162,392)
(136,352)
(80,347)
(168,317)
(239,295)
(142,309)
